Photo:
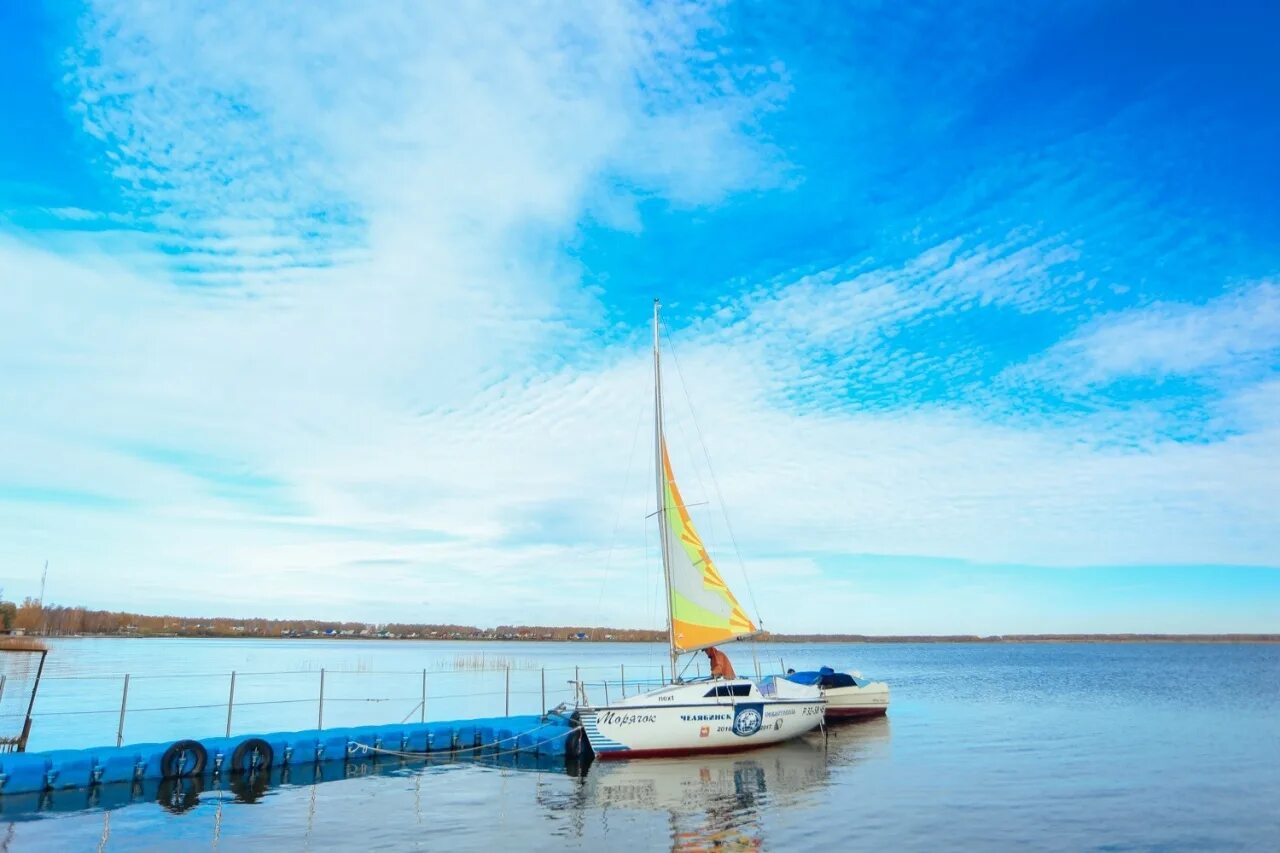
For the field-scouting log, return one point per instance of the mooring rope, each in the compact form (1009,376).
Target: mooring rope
(364,747)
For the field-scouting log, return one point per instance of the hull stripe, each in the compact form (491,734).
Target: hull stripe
(616,755)
(724,706)
(857,712)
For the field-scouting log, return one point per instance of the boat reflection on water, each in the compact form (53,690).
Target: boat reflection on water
(713,801)
(850,740)
(692,783)
(716,802)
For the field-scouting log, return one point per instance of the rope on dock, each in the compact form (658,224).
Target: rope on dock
(364,747)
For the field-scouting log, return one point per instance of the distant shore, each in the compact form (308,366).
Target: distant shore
(793,639)
(34,619)
(1032,638)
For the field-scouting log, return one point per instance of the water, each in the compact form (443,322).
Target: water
(990,747)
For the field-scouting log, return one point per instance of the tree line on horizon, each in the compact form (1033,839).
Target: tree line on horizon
(33,618)
(30,617)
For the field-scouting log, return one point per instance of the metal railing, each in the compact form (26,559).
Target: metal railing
(77,711)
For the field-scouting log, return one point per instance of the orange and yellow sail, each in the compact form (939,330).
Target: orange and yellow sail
(703,609)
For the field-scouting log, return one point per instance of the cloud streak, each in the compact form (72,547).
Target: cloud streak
(1233,334)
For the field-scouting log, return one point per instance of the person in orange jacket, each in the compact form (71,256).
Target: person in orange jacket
(720,665)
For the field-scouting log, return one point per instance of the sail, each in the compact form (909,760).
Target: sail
(703,609)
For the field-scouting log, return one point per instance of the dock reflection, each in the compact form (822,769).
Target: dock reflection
(720,802)
(180,795)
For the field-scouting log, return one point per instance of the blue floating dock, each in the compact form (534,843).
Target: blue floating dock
(36,772)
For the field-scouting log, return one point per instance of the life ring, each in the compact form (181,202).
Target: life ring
(252,756)
(184,758)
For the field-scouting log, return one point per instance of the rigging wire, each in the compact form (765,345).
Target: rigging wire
(715,482)
(706,522)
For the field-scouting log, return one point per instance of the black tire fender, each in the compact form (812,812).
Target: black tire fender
(179,794)
(249,788)
(575,745)
(242,756)
(174,763)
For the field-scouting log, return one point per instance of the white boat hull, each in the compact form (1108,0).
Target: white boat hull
(846,703)
(848,694)
(682,720)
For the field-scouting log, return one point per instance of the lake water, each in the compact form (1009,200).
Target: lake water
(986,747)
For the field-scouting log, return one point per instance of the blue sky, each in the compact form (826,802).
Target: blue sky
(342,311)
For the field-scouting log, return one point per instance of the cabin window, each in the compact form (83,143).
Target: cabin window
(730,690)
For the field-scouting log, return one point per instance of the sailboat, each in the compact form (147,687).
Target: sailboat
(701,715)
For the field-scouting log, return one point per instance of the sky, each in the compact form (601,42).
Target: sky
(340,310)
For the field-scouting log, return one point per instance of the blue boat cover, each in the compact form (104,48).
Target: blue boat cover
(824,677)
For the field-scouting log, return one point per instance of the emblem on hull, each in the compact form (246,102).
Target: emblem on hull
(747,719)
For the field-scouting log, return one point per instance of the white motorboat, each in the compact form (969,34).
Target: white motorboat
(685,717)
(848,694)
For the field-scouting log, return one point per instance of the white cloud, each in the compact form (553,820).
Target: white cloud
(375,197)
(846,317)
(1168,339)
(841,307)
(503,503)
(412,124)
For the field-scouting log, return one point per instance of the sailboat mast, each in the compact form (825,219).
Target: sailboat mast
(662,491)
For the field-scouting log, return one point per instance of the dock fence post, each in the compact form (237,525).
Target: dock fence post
(424,696)
(662,673)
(544,690)
(320,718)
(124,698)
(622,669)
(3,679)
(506,711)
(231,701)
